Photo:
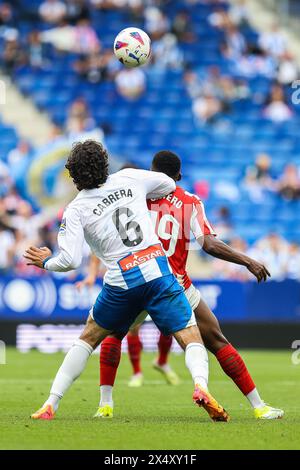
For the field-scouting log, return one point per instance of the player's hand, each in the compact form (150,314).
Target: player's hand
(36,256)
(88,282)
(258,270)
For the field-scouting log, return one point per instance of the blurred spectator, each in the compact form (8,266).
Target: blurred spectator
(202,189)
(289,183)
(276,108)
(6,17)
(181,27)
(235,44)
(52,11)
(35,50)
(293,265)
(95,67)
(166,54)
(206,108)
(25,222)
(226,189)
(79,119)
(239,14)
(156,22)
(223,225)
(256,62)
(258,178)
(192,83)
(220,86)
(7,243)
(5,180)
(12,56)
(62,37)
(134,6)
(219,18)
(107,4)
(86,39)
(287,70)
(273,42)
(76,10)
(273,252)
(9,203)
(131,83)
(55,133)
(71,26)
(18,154)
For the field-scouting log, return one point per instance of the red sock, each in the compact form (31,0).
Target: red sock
(234,366)
(164,346)
(110,355)
(134,351)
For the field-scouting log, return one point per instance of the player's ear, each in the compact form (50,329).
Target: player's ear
(179,176)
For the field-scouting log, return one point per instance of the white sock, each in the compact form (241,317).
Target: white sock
(106,398)
(53,400)
(71,368)
(196,360)
(255,400)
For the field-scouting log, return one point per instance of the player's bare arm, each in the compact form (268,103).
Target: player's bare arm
(217,248)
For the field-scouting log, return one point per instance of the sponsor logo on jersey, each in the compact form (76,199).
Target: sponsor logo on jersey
(141,257)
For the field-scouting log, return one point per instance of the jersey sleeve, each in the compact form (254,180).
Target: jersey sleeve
(156,185)
(70,242)
(199,224)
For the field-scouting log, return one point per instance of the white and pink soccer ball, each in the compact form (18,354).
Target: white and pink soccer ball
(132,47)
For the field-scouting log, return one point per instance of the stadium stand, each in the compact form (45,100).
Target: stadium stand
(215,92)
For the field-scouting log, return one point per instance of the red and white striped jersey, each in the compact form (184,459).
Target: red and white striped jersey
(176,217)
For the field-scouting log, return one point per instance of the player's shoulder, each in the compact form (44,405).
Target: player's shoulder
(186,196)
(132,173)
(76,204)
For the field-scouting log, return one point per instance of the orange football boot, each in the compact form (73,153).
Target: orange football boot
(203,398)
(45,413)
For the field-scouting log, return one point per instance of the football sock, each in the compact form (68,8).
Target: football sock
(71,368)
(134,352)
(255,400)
(234,366)
(106,395)
(164,346)
(196,360)
(110,355)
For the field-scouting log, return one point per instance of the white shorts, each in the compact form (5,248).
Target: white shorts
(192,294)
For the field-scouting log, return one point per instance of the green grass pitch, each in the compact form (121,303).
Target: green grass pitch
(156,416)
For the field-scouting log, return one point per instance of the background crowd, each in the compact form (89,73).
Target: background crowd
(30,33)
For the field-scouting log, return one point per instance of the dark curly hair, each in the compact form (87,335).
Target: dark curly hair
(88,164)
(167,162)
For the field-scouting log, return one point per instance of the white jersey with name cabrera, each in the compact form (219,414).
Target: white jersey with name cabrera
(115,222)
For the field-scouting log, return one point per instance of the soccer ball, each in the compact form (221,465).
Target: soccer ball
(132,47)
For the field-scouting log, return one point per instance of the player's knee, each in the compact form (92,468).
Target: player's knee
(90,338)
(188,335)
(93,334)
